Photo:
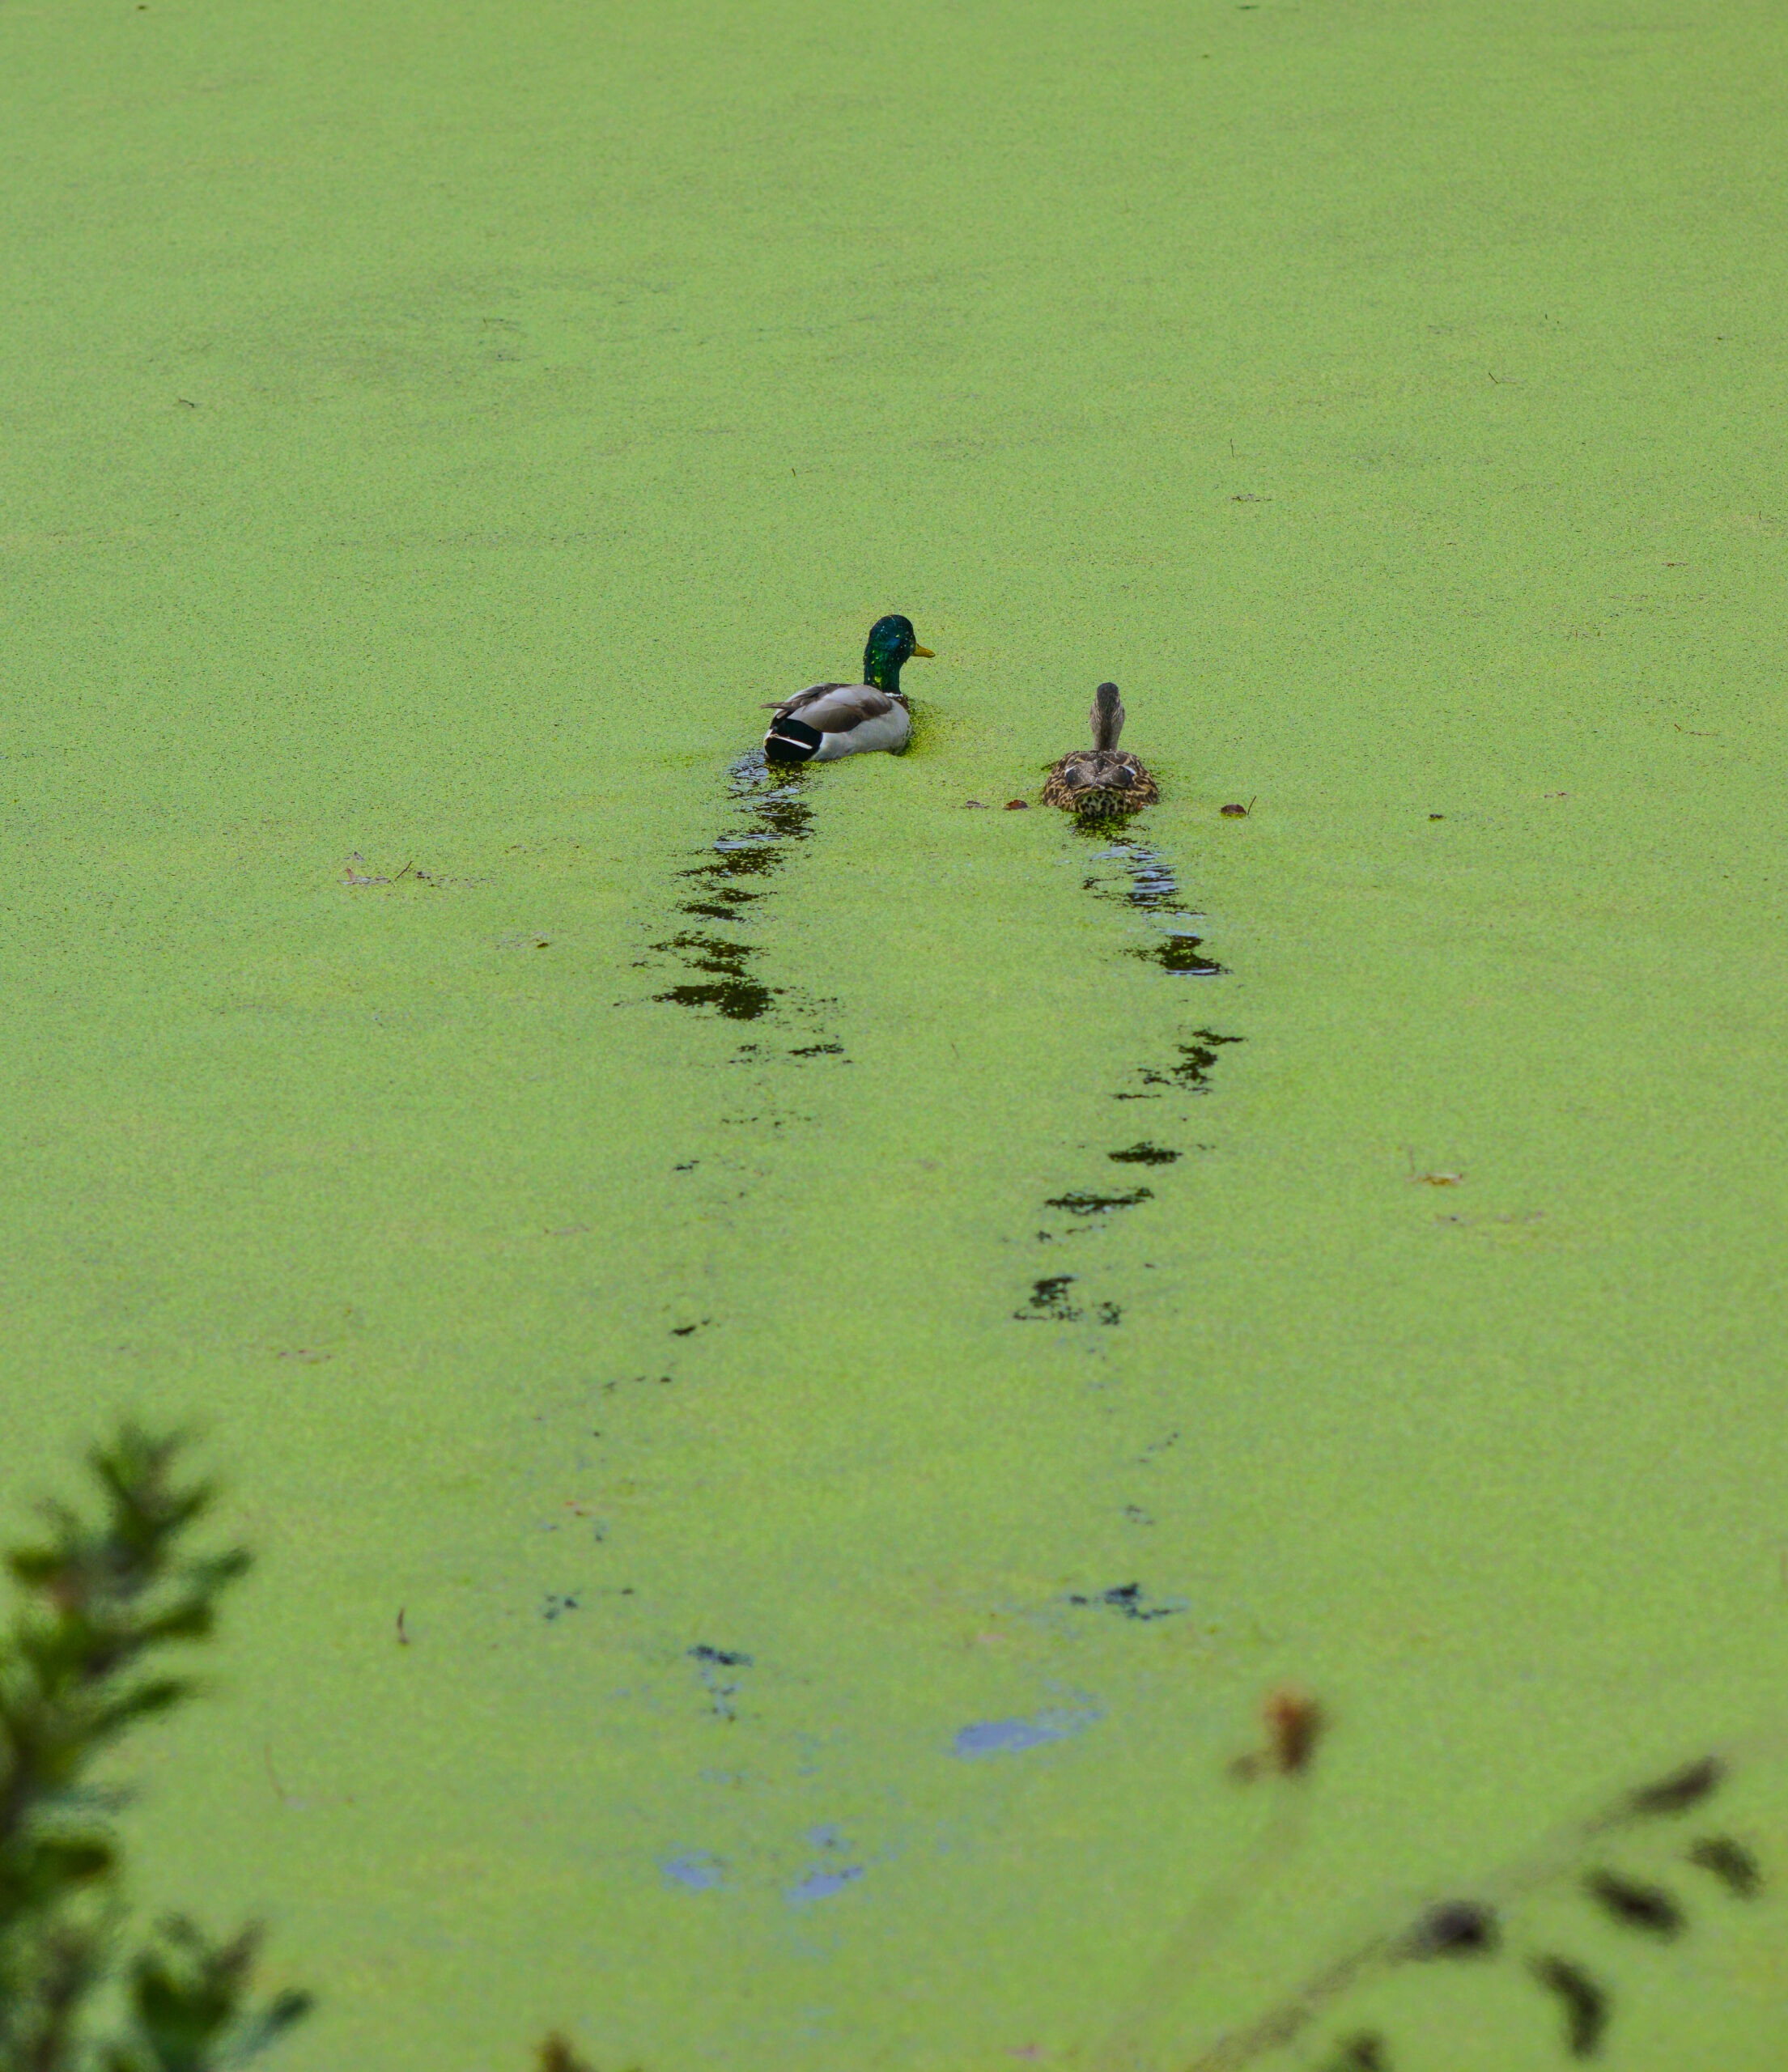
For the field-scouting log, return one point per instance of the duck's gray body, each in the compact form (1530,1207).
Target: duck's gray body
(827,720)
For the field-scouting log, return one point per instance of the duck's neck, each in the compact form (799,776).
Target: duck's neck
(881,667)
(883,671)
(1107,725)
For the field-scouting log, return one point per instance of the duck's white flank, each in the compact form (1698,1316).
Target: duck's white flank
(827,720)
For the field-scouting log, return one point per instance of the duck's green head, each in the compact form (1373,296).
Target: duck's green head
(891,642)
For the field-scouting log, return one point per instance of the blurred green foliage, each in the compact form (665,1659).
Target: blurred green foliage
(104,1598)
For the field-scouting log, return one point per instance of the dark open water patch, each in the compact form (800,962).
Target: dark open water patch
(1192,1070)
(730,989)
(1179,954)
(1050,1303)
(716,1666)
(1086,1203)
(1131,1601)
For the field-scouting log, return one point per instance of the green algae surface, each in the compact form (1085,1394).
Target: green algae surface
(798,1358)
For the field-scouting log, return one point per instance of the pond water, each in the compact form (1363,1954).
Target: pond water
(799,1358)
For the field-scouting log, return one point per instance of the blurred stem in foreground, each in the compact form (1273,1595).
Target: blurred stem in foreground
(103,1600)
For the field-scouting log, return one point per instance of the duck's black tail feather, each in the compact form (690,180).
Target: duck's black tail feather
(791,741)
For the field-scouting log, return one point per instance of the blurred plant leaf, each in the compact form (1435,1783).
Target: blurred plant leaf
(80,1667)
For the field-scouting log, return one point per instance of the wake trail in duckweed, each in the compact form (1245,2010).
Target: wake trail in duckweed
(1143,882)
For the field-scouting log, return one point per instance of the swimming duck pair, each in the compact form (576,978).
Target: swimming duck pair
(828,721)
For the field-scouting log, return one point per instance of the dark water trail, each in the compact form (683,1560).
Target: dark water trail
(728,892)
(723,971)
(1143,882)
(1130,873)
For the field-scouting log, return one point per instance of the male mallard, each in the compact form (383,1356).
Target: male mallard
(827,720)
(1102,779)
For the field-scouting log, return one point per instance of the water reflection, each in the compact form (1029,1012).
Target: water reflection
(1144,879)
(1179,953)
(1151,883)
(728,891)
(731,990)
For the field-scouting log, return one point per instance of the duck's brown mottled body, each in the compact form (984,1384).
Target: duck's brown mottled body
(1092,783)
(1097,782)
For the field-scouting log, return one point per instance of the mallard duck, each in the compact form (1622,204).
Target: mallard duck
(1102,779)
(827,720)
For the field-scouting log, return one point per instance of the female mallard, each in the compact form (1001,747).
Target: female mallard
(827,720)
(1103,780)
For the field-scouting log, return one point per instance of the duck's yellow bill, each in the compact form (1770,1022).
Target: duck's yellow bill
(927,653)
